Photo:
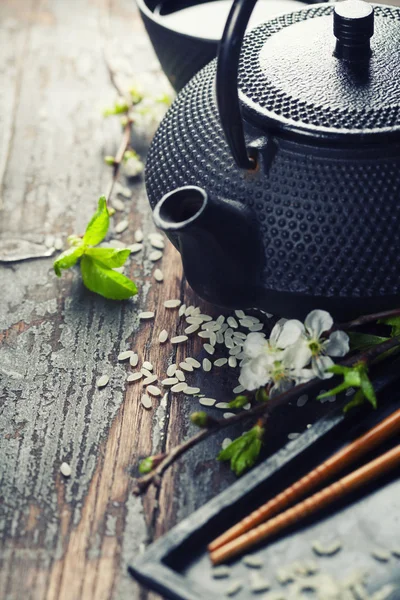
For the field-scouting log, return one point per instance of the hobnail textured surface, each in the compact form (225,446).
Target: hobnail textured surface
(288,71)
(330,220)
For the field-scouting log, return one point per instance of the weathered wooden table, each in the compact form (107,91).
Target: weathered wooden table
(73,538)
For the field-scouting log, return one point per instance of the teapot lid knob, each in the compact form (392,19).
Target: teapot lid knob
(353,27)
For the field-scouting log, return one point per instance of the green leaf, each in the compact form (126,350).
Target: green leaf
(368,390)
(98,225)
(68,259)
(243,452)
(261,395)
(238,402)
(120,106)
(363,341)
(146,466)
(351,376)
(394,322)
(109,257)
(358,400)
(105,281)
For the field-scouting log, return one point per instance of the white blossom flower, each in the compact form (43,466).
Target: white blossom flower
(312,347)
(262,357)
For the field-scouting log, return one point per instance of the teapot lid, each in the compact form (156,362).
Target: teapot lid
(331,70)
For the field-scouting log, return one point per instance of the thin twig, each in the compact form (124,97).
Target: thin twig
(124,145)
(365,319)
(114,81)
(262,408)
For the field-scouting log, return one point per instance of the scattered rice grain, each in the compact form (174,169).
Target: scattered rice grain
(121,226)
(174,303)
(213,338)
(158,275)
(293,436)
(220,319)
(222,405)
(330,550)
(252,561)
(239,335)
(209,349)
(232,362)
(65,469)
(182,309)
(228,415)
(240,314)
(134,377)
(204,334)
(302,400)
(157,243)
(234,588)
(138,235)
(220,337)
(171,370)
(221,572)
(225,443)
(180,375)
(192,328)
(146,401)
(122,190)
(189,310)
(145,372)
(118,204)
(163,336)
(154,390)
(155,255)
(146,315)
(179,339)
(192,361)
(170,381)
(192,390)
(134,359)
(235,351)
(229,343)
(147,365)
(238,389)
(102,381)
(381,554)
(207,365)
(258,584)
(186,367)
(220,362)
(150,379)
(134,248)
(179,387)
(205,317)
(125,355)
(232,322)
(207,401)
(258,327)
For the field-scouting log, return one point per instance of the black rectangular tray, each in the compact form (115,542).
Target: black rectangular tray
(178,567)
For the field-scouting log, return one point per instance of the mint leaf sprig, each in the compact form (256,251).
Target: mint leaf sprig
(97,264)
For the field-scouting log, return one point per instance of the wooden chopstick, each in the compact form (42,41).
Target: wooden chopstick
(372,470)
(342,459)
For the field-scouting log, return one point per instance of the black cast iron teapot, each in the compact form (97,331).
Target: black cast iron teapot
(276,172)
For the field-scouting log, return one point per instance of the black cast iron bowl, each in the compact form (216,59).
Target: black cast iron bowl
(181,55)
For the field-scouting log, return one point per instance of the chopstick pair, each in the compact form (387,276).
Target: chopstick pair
(253,529)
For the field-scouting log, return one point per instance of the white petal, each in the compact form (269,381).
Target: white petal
(298,355)
(255,345)
(275,333)
(255,373)
(290,333)
(320,364)
(337,344)
(303,375)
(318,321)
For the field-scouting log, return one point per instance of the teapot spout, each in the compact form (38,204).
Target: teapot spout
(220,244)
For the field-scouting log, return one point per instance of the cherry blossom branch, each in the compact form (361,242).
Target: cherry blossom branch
(365,319)
(262,410)
(124,145)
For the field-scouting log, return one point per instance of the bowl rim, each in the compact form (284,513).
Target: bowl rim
(143,8)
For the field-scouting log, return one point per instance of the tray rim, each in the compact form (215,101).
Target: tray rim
(150,569)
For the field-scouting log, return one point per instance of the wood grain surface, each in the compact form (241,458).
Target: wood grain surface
(61,538)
